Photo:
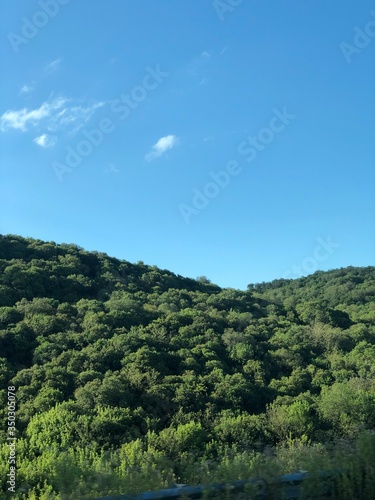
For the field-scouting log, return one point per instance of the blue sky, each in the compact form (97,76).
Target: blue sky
(221,138)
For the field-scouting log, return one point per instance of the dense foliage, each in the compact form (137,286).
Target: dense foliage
(129,377)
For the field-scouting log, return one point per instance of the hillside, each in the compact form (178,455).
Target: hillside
(134,375)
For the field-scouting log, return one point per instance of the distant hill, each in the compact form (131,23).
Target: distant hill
(159,374)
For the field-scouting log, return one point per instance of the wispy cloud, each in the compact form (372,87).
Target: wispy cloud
(53,66)
(112,168)
(26,89)
(77,115)
(45,141)
(161,146)
(199,64)
(54,115)
(21,119)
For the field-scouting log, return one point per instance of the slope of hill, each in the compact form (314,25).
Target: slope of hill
(126,374)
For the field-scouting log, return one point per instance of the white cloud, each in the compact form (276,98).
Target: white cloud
(26,89)
(112,168)
(78,115)
(45,141)
(53,66)
(55,114)
(20,120)
(161,146)
(199,64)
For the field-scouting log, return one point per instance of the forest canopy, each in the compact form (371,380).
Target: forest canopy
(122,369)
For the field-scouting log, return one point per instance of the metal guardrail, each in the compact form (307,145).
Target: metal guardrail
(288,484)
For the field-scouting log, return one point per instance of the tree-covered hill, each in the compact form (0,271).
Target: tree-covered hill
(126,374)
